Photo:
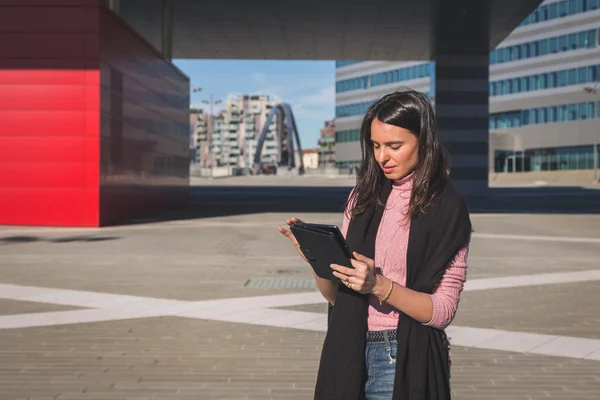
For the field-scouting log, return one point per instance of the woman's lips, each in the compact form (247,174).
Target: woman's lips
(388,170)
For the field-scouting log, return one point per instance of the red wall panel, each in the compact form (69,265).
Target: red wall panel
(93,122)
(49,145)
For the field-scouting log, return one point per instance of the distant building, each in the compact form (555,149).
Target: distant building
(231,136)
(326,151)
(199,126)
(310,157)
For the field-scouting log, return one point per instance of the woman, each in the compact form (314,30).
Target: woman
(410,231)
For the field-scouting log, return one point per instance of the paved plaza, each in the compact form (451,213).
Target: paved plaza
(212,302)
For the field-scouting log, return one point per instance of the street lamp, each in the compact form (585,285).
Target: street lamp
(592,90)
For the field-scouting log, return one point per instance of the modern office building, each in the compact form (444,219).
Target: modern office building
(358,85)
(544,99)
(544,103)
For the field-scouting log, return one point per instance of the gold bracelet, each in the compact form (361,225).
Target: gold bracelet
(387,296)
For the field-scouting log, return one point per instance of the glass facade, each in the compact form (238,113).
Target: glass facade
(339,64)
(560,9)
(385,77)
(356,109)
(546,80)
(545,115)
(354,164)
(573,41)
(347,136)
(545,159)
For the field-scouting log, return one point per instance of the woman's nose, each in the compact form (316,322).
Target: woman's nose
(381,155)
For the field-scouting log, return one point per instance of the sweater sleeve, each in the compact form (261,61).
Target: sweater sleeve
(346,222)
(446,296)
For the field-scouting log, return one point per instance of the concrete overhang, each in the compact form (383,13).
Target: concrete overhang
(320,29)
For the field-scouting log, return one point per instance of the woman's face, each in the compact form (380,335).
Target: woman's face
(396,149)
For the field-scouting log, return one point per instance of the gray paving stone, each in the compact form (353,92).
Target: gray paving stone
(181,358)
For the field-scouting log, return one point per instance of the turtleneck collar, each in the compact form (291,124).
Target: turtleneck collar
(404,183)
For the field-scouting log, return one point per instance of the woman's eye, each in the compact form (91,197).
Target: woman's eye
(396,148)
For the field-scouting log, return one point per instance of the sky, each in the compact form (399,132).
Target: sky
(309,87)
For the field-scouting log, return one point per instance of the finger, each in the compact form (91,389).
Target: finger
(343,270)
(287,234)
(359,265)
(360,257)
(369,262)
(295,219)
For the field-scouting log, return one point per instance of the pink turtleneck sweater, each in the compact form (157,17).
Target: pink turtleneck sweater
(390,260)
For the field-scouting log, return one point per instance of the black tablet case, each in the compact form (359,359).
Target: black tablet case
(322,245)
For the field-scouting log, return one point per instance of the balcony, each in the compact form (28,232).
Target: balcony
(202,137)
(231,136)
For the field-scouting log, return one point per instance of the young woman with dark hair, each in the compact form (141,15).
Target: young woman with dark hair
(410,232)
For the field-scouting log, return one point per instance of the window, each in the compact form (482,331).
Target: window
(572,76)
(562,8)
(553,80)
(516,85)
(573,41)
(572,7)
(544,47)
(582,40)
(544,13)
(593,4)
(492,88)
(543,81)
(535,84)
(582,75)
(572,112)
(535,49)
(591,39)
(562,78)
(590,109)
(553,45)
(553,10)
(593,73)
(525,117)
(562,43)
(543,116)
(552,114)
(582,111)
(562,113)
(525,49)
(525,84)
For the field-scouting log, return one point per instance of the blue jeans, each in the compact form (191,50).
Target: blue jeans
(380,358)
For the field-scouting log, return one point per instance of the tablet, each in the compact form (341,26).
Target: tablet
(322,245)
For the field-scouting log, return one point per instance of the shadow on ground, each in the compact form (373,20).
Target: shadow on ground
(70,239)
(221,201)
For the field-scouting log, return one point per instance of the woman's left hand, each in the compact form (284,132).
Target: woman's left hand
(362,278)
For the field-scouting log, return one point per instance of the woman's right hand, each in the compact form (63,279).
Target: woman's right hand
(290,235)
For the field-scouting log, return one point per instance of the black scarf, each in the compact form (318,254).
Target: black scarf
(422,362)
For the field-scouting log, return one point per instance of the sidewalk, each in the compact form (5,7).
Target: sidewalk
(167,310)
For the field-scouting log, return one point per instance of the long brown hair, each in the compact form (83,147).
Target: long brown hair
(412,111)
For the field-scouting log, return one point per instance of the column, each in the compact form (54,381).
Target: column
(462,91)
